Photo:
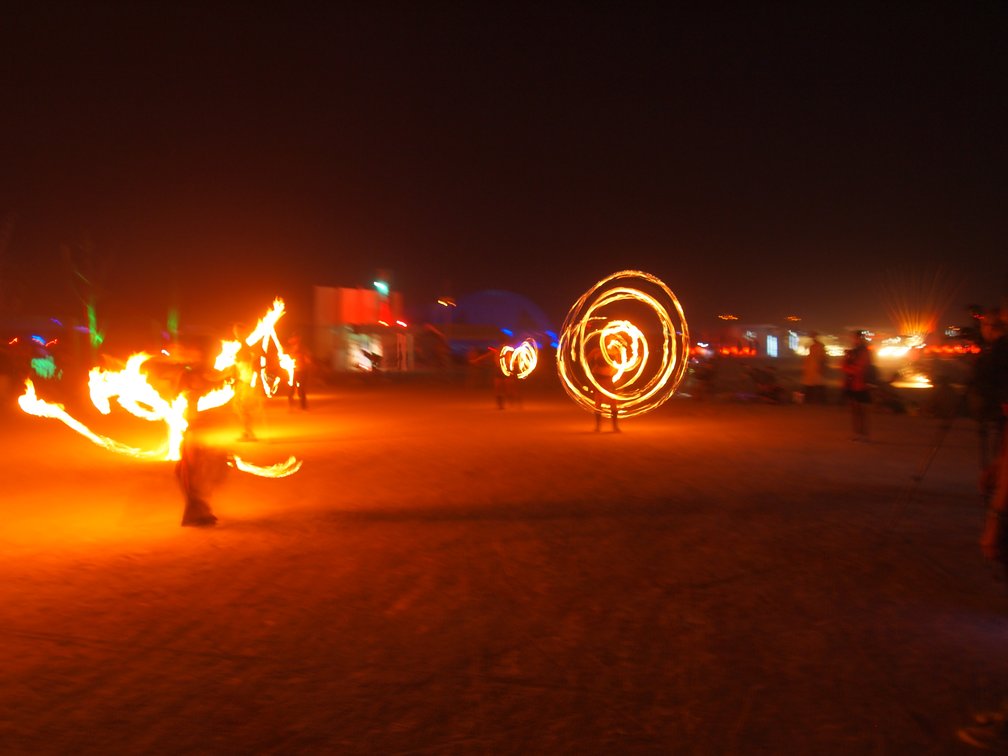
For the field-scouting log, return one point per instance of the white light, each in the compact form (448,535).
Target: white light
(771,345)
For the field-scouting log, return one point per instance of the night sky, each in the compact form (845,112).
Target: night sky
(761,160)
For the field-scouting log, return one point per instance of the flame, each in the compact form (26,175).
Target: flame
(134,393)
(519,361)
(217,397)
(603,355)
(279,470)
(264,334)
(615,337)
(30,403)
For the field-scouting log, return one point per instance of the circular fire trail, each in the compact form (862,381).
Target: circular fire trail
(519,361)
(624,342)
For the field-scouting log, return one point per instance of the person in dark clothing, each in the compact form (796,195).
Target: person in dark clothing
(982,392)
(994,480)
(858,383)
(202,467)
(301,362)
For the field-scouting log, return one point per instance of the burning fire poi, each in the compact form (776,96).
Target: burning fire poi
(609,341)
(134,393)
(519,361)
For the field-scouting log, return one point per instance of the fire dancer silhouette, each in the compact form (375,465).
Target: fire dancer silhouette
(248,398)
(202,467)
(603,370)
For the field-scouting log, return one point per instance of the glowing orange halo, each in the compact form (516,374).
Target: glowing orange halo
(604,354)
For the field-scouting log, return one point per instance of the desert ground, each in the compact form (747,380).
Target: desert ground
(443,577)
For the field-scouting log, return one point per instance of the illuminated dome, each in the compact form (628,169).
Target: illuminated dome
(502,309)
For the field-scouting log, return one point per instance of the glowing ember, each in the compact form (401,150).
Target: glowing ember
(607,342)
(519,361)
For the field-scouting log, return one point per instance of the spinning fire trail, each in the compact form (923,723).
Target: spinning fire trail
(519,361)
(624,342)
(134,393)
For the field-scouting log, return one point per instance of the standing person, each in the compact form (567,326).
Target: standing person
(603,371)
(857,369)
(982,392)
(200,470)
(302,361)
(248,396)
(202,467)
(994,480)
(814,372)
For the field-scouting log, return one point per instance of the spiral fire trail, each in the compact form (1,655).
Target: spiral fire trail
(624,342)
(519,361)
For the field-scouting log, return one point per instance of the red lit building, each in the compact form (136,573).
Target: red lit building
(361,329)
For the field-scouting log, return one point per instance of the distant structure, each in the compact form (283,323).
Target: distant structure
(485,318)
(361,329)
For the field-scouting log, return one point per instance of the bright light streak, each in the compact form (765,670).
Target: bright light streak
(602,352)
(279,470)
(133,392)
(264,334)
(30,403)
(892,350)
(519,361)
(217,397)
(916,381)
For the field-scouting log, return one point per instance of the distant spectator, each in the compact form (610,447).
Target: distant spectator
(858,374)
(814,372)
(982,391)
(302,361)
(994,539)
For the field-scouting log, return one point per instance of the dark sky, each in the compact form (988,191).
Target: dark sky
(759,158)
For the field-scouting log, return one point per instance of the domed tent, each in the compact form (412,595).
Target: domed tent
(485,317)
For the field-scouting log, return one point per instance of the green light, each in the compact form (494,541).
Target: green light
(382,288)
(45,367)
(97,337)
(173,322)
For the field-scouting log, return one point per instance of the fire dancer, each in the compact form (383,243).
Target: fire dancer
(602,370)
(248,398)
(201,467)
(200,470)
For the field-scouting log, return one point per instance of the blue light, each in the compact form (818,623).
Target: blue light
(507,331)
(382,288)
(39,340)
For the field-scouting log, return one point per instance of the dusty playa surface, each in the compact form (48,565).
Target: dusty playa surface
(445,577)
